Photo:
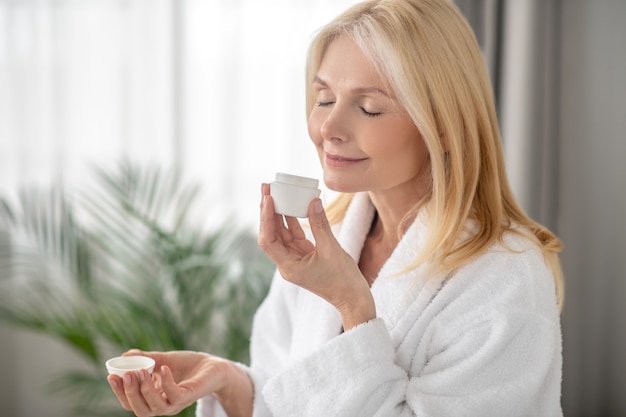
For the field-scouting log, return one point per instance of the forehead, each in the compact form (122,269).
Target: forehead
(345,64)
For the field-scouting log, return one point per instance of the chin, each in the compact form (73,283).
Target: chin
(341,186)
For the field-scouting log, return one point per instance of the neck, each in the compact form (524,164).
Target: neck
(389,224)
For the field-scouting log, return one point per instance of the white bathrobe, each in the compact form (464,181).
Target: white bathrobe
(484,342)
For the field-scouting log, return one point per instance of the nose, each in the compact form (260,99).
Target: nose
(334,126)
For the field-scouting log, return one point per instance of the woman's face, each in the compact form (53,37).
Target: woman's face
(365,140)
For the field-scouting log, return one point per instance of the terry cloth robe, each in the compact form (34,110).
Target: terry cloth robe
(485,342)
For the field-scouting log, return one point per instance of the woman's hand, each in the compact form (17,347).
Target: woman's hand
(179,379)
(324,269)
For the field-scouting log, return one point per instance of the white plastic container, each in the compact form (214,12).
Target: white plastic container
(122,364)
(292,194)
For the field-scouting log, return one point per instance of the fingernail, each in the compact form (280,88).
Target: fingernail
(142,376)
(127,378)
(113,383)
(317,206)
(163,370)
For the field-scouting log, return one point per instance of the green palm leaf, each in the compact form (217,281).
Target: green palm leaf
(124,265)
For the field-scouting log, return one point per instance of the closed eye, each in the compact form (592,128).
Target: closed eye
(363,110)
(370,114)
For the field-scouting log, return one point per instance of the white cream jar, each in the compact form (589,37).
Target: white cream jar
(292,194)
(121,364)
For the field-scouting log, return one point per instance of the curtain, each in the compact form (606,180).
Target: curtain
(82,82)
(213,86)
(520,44)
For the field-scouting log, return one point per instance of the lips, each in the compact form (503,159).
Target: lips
(341,161)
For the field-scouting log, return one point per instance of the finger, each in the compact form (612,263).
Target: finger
(133,393)
(172,391)
(295,228)
(264,192)
(265,189)
(151,395)
(281,229)
(319,224)
(117,385)
(267,204)
(278,218)
(271,222)
(270,230)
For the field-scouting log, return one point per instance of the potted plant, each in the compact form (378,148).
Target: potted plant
(126,264)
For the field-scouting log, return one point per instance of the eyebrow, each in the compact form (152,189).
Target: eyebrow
(358,90)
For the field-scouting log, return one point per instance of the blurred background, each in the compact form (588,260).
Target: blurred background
(212,90)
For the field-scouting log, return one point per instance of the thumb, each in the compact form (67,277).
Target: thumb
(319,223)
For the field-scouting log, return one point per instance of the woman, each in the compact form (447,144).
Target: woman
(424,289)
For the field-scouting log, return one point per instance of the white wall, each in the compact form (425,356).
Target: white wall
(29,363)
(8,388)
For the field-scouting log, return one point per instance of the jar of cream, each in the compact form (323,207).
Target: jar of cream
(292,194)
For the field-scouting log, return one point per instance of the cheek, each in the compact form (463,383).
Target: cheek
(313,126)
(405,153)
(393,145)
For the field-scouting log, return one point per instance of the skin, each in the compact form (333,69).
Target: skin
(365,142)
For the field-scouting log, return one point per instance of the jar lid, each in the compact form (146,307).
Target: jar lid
(296,180)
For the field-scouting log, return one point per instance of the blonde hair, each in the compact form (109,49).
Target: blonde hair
(429,54)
